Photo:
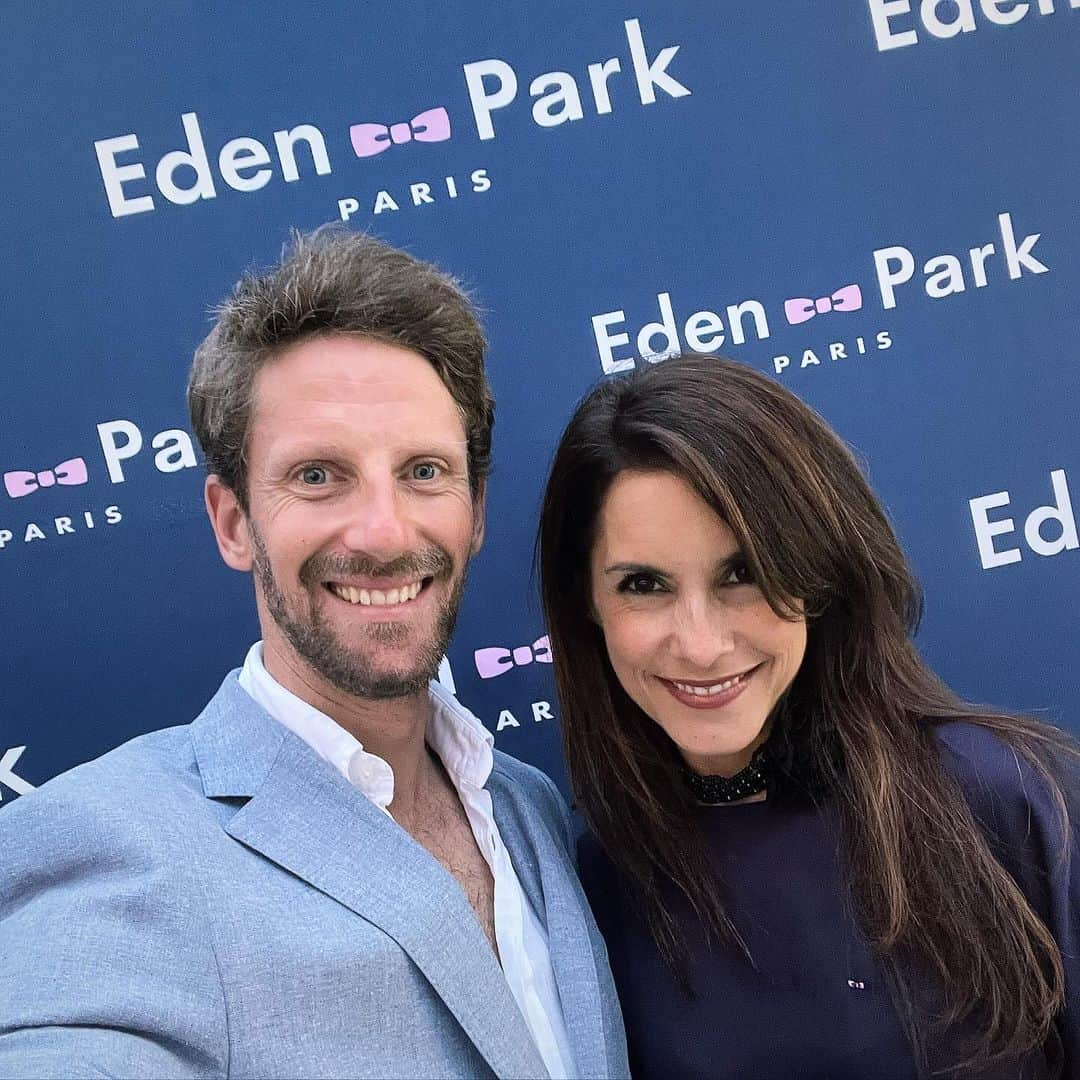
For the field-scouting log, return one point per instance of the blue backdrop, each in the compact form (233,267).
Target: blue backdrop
(727,172)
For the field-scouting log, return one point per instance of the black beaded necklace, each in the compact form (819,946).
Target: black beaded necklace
(715,790)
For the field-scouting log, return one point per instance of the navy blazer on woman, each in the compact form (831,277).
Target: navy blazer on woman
(814,1002)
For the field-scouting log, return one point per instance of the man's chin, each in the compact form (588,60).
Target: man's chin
(357,676)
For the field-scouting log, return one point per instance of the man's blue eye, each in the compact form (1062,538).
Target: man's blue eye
(314,475)
(424,471)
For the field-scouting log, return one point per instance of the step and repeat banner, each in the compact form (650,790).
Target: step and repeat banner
(874,201)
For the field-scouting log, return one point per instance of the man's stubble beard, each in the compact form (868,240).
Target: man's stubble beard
(348,669)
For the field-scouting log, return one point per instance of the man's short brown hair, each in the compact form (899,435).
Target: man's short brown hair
(334,281)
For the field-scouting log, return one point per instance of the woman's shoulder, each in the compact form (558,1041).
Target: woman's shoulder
(977,755)
(1006,791)
(593,861)
(604,884)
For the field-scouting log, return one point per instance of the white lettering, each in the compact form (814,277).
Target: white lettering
(652,76)
(1019,258)
(945,276)
(506,719)
(704,331)
(887,277)
(114,176)
(735,313)
(384,201)
(1060,511)
(194,157)
(238,155)
(562,104)
(484,104)
(963,23)
(598,78)
(1014,11)
(986,530)
(7,772)
(978,256)
(606,342)
(666,328)
(115,451)
(285,141)
(881,11)
(175,451)
(421,193)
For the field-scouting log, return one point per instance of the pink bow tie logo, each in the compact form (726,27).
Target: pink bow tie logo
(490,663)
(70,473)
(801,309)
(433,125)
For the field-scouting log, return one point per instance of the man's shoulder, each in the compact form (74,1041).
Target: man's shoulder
(528,778)
(535,790)
(149,778)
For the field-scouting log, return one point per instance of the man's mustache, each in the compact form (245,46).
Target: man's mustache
(431,562)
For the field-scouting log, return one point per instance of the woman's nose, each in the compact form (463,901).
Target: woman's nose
(704,636)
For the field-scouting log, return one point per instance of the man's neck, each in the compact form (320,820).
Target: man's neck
(392,729)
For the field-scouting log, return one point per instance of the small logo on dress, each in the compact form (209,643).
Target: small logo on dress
(856,984)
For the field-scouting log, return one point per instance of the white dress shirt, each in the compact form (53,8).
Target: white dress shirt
(464,746)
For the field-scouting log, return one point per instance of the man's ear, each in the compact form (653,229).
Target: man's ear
(479,510)
(229,523)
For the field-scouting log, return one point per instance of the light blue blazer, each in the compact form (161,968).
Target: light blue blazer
(216,900)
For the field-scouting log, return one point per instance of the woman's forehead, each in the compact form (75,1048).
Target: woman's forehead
(659,511)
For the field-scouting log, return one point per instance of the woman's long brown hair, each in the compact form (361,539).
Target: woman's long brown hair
(858,723)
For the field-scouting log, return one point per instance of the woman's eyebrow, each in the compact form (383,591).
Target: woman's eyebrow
(722,564)
(632,568)
(730,560)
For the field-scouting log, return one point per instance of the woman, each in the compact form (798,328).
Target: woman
(808,857)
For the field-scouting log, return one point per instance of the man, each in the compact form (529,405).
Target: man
(330,872)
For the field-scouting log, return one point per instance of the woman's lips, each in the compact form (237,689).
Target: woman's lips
(699,695)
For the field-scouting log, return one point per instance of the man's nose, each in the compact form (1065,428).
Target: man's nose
(378,524)
(703,636)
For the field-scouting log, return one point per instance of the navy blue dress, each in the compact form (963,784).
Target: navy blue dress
(815,1002)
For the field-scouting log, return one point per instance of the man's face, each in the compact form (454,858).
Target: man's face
(361,521)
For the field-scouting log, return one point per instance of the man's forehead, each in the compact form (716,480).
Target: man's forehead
(340,398)
(348,392)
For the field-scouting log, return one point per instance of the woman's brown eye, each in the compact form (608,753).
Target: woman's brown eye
(314,475)
(739,575)
(638,583)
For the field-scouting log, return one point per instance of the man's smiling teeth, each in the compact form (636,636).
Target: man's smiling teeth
(716,688)
(376,596)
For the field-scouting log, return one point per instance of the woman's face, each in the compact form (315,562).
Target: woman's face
(689,634)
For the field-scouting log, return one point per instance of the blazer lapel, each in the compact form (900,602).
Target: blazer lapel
(305,817)
(552,887)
